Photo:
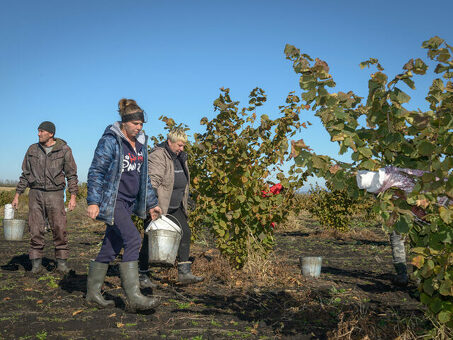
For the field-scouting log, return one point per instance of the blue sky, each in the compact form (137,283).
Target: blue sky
(71,61)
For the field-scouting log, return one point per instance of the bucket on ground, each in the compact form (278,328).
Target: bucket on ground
(9,212)
(13,229)
(311,265)
(164,236)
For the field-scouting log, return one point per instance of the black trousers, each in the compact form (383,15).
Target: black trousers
(184,246)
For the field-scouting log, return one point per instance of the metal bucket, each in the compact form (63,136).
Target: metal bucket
(163,245)
(13,229)
(311,265)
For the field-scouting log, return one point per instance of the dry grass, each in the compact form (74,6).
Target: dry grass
(302,222)
(258,272)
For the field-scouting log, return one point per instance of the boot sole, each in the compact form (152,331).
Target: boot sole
(188,282)
(131,309)
(92,303)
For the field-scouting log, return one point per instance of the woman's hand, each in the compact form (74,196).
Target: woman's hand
(93,211)
(155,212)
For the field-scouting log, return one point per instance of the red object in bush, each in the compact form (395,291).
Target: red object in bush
(274,190)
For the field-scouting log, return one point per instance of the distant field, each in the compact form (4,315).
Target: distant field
(7,188)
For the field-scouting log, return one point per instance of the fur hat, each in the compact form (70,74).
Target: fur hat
(47,126)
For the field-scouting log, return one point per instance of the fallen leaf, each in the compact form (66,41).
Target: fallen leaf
(7,298)
(28,289)
(77,312)
(112,315)
(119,324)
(40,301)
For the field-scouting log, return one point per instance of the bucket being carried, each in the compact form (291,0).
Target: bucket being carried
(13,229)
(164,237)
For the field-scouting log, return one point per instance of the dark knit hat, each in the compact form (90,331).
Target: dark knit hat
(47,126)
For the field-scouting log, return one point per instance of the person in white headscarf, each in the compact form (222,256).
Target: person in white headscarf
(379,181)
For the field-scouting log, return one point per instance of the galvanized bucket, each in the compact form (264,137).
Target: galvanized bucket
(163,245)
(13,229)
(311,265)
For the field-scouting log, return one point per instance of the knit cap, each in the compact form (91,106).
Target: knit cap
(47,126)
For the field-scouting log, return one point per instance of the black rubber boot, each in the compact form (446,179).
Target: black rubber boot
(96,276)
(36,266)
(401,278)
(131,286)
(185,275)
(62,266)
(145,281)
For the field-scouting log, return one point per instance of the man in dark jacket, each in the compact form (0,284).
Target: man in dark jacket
(45,166)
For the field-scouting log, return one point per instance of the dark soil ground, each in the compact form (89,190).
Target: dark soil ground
(353,299)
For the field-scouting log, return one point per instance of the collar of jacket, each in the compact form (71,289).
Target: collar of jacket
(116,129)
(182,155)
(59,143)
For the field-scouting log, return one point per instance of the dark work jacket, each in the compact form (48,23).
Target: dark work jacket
(48,171)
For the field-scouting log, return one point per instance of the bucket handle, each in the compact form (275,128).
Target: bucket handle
(177,222)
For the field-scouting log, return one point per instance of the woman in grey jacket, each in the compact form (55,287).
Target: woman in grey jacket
(170,176)
(118,185)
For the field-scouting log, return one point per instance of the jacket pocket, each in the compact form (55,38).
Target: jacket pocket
(33,161)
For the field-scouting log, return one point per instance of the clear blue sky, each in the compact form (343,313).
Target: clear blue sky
(71,61)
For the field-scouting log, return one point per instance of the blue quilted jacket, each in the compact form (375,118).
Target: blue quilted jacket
(105,173)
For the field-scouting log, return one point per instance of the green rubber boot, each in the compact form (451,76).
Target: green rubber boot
(96,276)
(36,266)
(401,278)
(62,266)
(131,286)
(145,281)
(185,275)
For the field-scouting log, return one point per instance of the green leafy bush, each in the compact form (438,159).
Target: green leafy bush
(232,163)
(333,208)
(6,196)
